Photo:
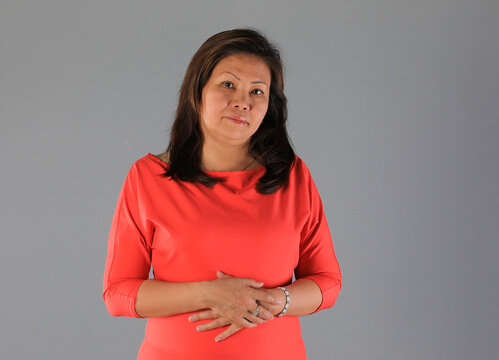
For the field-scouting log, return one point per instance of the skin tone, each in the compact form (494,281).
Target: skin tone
(240,85)
(266,313)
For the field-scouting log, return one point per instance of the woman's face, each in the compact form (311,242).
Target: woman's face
(239,87)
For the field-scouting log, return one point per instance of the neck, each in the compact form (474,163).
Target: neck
(218,158)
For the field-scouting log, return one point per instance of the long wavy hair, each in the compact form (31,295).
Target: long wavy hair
(270,143)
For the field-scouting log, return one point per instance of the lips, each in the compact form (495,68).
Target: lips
(237,118)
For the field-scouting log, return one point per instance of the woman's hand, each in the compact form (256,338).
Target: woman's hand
(219,322)
(262,297)
(272,307)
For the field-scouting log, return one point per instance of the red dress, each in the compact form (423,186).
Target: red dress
(187,233)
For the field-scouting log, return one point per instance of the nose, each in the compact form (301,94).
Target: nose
(241,102)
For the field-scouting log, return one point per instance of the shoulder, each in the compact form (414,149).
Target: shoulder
(302,176)
(300,167)
(146,167)
(165,157)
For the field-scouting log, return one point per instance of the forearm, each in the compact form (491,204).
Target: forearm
(156,298)
(305,297)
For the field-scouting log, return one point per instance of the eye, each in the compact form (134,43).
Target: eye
(227,82)
(261,92)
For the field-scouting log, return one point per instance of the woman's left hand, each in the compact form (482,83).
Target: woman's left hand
(233,328)
(217,323)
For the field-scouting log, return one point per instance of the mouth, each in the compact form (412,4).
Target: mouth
(238,120)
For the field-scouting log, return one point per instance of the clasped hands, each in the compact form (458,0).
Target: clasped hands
(232,301)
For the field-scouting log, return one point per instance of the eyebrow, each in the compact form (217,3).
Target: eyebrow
(253,82)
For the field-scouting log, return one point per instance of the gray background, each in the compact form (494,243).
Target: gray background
(393,105)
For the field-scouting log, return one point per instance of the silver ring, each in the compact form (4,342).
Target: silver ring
(256,311)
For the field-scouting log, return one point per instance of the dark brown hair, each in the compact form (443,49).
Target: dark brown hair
(270,143)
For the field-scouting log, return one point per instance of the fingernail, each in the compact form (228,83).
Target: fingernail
(217,339)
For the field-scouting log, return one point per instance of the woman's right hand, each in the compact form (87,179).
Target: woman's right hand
(236,298)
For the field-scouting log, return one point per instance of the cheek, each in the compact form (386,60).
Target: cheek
(215,102)
(262,109)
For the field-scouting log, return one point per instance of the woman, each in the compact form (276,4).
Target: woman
(224,216)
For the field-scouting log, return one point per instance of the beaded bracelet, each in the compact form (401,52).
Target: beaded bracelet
(287,302)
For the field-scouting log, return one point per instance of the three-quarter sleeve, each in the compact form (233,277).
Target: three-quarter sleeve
(317,260)
(129,250)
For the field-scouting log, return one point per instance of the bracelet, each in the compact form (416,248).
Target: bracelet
(287,302)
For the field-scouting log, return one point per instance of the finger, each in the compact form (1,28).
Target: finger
(250,282)
(253,283)
(203,315)
(265,313)
(254,318)
(267,310)
(222,274)
(243,321)
(220,322)
(230,331)
(265,296)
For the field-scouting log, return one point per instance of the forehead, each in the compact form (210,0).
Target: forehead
(246,65)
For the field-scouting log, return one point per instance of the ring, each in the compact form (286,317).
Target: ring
(256,311)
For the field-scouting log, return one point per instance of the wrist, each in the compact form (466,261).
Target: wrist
(202,290)
(279,293)
(285,294)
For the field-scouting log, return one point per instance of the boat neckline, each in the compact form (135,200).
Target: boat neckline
(157,159)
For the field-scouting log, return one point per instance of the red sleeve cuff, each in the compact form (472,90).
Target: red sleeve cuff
(120,298)
(330,286)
